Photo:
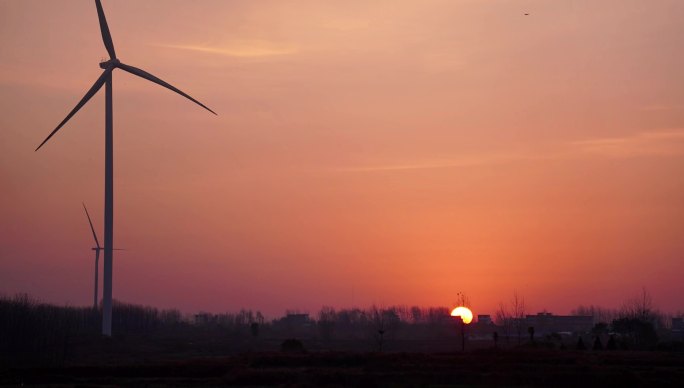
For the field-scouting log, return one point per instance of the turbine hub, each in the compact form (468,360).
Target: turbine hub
(109,63)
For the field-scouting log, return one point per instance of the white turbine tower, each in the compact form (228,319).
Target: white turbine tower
(106,79)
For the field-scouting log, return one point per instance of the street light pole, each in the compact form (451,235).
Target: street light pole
(462,336)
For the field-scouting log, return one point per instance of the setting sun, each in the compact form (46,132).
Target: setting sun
(463,312)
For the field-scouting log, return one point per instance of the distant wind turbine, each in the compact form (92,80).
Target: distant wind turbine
(97,250)
(106,79)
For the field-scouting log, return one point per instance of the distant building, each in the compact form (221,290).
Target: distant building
(545,323)
(295,324)
(483,327)
(296,319)
(678,325)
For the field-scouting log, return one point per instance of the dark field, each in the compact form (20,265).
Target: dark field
(61,346)
(476,368)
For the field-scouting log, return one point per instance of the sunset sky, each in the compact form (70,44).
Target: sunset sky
(387,152)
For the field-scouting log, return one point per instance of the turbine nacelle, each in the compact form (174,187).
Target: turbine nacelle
(112,63)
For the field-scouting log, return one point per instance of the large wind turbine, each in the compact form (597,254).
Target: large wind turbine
(97,250)
(106,79)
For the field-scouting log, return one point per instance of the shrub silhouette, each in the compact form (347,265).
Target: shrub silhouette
(292,345)
(636,331)
(597,344)
(600,328)
(580,344)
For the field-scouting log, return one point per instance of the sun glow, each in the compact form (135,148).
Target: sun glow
(463,312)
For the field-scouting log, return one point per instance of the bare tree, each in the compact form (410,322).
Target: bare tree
(639,306)
(518,314)
(379,324)
(511,317)
(600,314)
(259,318)
(416,314)
(326,322)
(436,315)
(503,319)
(462,299)
(385,322)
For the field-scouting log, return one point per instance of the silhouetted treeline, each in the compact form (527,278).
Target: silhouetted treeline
(330,324)
(29,329)
(39,332)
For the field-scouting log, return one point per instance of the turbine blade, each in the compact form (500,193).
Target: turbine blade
(93,89)
(97,243)
(143,74)
(104,29)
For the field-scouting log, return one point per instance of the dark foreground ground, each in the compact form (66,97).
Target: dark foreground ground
(476,368)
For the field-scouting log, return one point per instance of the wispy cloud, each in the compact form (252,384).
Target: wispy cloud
(666,142)
(243,49)
(465,161)
(662,142)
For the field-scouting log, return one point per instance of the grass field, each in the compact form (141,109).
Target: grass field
(475,368)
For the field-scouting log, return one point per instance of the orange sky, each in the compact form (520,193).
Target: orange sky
(365,152)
